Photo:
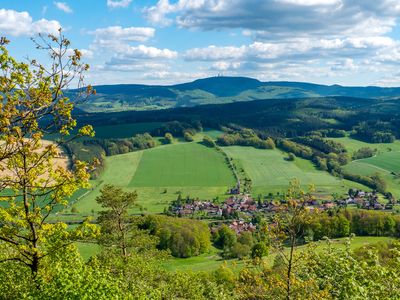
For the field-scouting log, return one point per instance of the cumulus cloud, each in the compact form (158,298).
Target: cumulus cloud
(140,58)
(275,18)
(118,34)
(14,23)
(125,55)
(118,3)
(299,58)
(297,48)
(63,6)
(212,53)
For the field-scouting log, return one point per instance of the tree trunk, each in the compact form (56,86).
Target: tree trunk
(289,270)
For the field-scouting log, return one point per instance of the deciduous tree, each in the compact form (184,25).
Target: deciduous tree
(32,187)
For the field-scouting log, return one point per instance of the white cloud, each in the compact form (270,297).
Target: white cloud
(142,51)
(114,36)
(118,3)
(14,23)
(213,53)
(314,2)
(277,18)
(140,59)
(63,6)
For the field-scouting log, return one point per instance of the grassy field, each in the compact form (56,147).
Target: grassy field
(183,165)
(211,261)
(270,172)
(353,145)
(386,162)
(160,174)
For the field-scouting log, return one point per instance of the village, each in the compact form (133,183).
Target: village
(239,207)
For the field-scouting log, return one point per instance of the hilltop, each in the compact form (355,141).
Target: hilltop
(218,90)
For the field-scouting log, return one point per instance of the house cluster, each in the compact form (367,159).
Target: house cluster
(241,226)
(237,203)
(365,200)
(246,205)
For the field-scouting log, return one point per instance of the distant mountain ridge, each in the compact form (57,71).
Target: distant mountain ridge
(216,90)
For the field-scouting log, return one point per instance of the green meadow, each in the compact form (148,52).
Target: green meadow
(188,164)
(386,162)
(353,145)
(270,172)
(160,174)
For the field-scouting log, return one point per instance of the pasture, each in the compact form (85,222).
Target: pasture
(386,164)
(353,145)
(160,174)
(188,164)
(270,172)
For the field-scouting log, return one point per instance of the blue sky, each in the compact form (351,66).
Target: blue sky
(348,42)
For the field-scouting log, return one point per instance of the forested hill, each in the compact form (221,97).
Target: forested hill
(290,117)
(218,90)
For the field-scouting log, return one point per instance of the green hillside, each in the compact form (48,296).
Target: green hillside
(216,90)
(386,164)
(182,165)
(160,174)
(353,145)
(270,172)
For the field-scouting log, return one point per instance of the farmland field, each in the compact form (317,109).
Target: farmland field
(386,164)
(270,172)
(353,145)
(160,174)
(183,165)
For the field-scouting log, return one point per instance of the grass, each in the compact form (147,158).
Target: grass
(386,162)
(182,165)
(271,173)
(211,261)
(160,174)
(353,145)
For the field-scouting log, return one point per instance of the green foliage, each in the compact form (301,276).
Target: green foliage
(326,146)
(291,157)
(224,237)
(209,142)
(245,137)
(115,223)
(259,250)
(188,136)
(168,138)
(374,132)
(177,128)
(32,104)
(183,237)
(364,152)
